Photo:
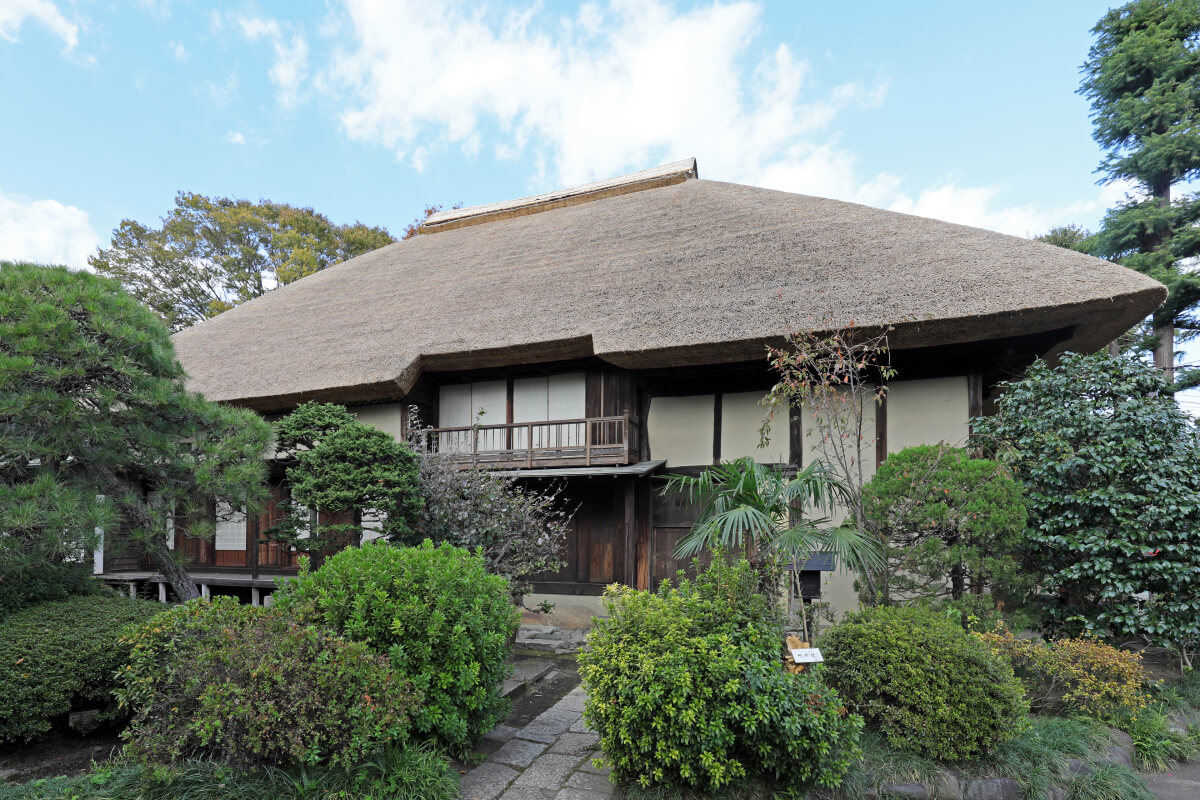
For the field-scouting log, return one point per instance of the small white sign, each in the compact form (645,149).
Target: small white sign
(806,655)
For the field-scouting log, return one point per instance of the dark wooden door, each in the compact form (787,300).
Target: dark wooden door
(594,553)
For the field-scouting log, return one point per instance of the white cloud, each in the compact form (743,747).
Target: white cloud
(615,87)
(45,231)
(13,14)
(290,68)
(235,137)
(222,93)
(179,51)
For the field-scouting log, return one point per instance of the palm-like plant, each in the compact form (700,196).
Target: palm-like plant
(760,508)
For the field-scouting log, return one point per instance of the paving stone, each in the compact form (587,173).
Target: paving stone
(544,730)
(573,701)
(580,726)
(575,744)
(500,733)
(548,771)
(486,781)
(587,765)
(527,793)
(582,794)
(518,753)
(590,781)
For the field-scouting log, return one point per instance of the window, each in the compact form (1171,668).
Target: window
(540,399)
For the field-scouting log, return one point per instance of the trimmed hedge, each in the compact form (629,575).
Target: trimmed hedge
(445,622)
(61,656)
(687,688)
(928,685)
(248,686)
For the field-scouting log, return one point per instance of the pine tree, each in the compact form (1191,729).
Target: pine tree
(1143,79)
(96,424)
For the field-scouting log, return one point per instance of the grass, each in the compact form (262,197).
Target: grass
(1036,758)
(409,773)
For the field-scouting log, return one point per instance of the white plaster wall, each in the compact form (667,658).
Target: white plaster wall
(681,429)
(570,610)
(927,412)
(741,418)
(387,417)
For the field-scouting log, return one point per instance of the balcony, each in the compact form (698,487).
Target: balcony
(594,441)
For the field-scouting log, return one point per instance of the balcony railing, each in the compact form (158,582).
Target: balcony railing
(554,443)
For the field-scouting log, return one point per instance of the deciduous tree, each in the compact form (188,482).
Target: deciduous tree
(212,253)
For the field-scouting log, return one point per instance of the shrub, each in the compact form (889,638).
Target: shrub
(1082,675)
(60,656)
(1108,461)
(249,686)
(686,687)
(928,685)
(521,528)
(443,619)
(951,523)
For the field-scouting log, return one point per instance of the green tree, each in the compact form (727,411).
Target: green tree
(951,524)
(93,403)
(342,465)
(1069,237)
(1143,79)
(212,253)
(1109,465)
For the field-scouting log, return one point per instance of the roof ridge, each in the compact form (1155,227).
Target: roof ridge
(663,175)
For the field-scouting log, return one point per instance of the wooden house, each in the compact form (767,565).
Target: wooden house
(613,332)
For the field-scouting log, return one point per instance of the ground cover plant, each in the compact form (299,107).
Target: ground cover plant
(923,682)
(61,656)
(687,690)
(248,687)
(444,621)
(410,772)
(1046,753)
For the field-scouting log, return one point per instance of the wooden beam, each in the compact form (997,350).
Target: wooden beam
(630,555)
(643,532)
(974,395)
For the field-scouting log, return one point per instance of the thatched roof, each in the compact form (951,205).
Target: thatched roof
(689,273)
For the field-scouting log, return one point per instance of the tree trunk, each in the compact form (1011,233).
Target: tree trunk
(156,546)
(1164,351)
(175,573)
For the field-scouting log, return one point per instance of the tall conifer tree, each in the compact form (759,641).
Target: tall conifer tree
(1143,79)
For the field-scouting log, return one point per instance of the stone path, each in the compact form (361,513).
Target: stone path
(548,759)
(1181,783)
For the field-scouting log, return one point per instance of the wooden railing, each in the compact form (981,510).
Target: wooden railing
(553,443)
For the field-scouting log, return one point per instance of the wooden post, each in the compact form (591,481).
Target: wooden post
(881,448)
(162,592)
(587,427)
(795,437)
(716,443)
(132,590)
(630,525)
(255,596)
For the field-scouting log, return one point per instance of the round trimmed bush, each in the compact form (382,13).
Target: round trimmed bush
(61,656)
(687,688)
(249,686)
(928,685)
(444,621)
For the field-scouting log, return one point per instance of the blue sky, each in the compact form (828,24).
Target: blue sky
(369,110)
